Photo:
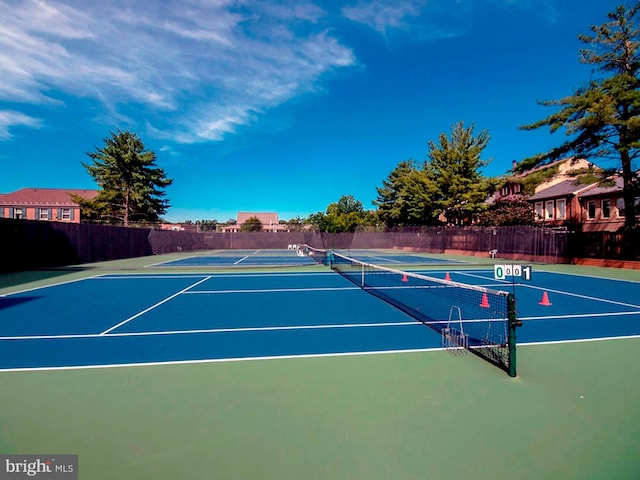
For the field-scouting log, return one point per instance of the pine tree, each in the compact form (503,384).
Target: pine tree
(454,165)
(132,185)
(602,119)
(392,199)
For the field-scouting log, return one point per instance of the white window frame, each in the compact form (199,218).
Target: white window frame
(549,213)
(606,201)
(620,207)
(65,214)
(591,203)
(539,210)
(561,209)
(43,214)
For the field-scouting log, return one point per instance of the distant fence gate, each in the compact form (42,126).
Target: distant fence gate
(28,244)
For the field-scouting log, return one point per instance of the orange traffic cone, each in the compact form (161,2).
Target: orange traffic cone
(545,300)
(447,277)
(485,301)
(404,278)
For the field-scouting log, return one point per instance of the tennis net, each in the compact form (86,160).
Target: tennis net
(484,318)
(318,254)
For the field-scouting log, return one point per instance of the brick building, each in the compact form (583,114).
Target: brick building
(47,204)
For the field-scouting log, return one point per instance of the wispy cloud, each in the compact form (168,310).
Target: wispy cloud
(10,119)
(427,20)
(194,70)
(382,15)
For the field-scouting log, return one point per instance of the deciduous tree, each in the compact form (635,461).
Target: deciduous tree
(345,215)
(251,224)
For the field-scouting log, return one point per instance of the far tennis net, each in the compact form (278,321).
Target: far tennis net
(473,317)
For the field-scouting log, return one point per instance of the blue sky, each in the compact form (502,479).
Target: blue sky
(278,106)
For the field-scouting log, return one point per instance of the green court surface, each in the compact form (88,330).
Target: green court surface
(572,413)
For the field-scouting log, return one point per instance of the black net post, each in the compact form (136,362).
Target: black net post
(513,324)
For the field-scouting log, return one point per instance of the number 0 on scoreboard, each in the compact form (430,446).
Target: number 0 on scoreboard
(501,272)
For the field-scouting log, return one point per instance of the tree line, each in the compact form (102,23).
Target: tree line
(601,120)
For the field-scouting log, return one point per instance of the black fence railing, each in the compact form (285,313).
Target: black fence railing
(606,245)
(36,244)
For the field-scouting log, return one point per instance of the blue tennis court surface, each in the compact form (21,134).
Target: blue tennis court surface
(121,319)
(383,257)
(291,257)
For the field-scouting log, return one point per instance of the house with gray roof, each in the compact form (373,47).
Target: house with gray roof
(594,207)
(603,206)
(558,205)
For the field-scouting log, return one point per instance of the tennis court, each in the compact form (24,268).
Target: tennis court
(300,373)
(293,257)
(116,319)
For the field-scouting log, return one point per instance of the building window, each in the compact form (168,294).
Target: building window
(591,210)
(538,208)
(620,206)
(65,214)
(18,214)
(606,208)
(561,206)
(44,214)
(548,209)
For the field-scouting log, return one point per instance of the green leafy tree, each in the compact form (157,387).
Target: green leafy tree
(453,165)
(516,211)
(406,197)
(602,119)
(251,224)
(132,185)
(318,220)
(448,185)
(345,215)
(207,225)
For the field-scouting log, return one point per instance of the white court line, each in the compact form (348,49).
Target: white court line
(389,260)
(306,327)
(273,290)
(118,276)
(582,315)
(586,297)
(167,263)
(284,357)
(225,360)
(590,276)
(577,340)
(50,285)
(495,283)
(214,330)
(563,292)
(145,276)
(154,306)
(241,260)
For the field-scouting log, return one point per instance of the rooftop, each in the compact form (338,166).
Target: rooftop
(46,196)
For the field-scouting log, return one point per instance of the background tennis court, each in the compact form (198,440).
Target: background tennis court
(323,405)
(282,257)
